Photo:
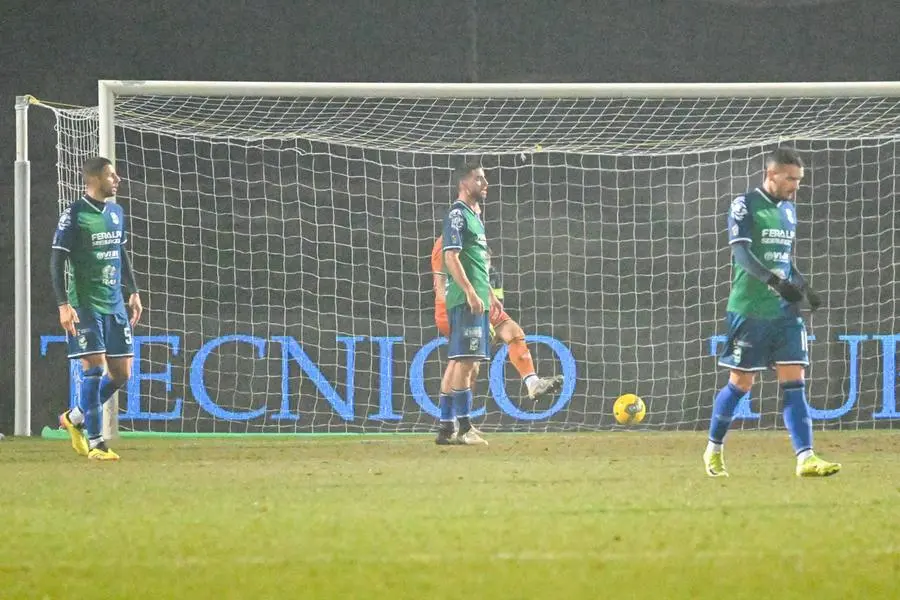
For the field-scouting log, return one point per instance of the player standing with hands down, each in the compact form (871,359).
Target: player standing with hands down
(764,324)
(91,237)
(469,299)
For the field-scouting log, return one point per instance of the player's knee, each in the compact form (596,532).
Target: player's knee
(92,372)
(741,380)
(464,368)
(93,361)
(510,331)
(789,373)
(118,379)
(119,370)
(473,374)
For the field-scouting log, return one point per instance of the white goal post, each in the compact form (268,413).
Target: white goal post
(281,233)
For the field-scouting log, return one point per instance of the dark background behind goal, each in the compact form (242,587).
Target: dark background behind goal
(58,53)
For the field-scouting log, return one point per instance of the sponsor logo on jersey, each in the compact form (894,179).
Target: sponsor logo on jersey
(107,255)
(106,235)
(779,233)
(782,257)
(790,216)
(115,218)
(783,237)
(106,238)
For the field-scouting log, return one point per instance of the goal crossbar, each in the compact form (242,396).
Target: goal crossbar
(503,90)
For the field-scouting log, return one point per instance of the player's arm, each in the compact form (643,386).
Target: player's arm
(454,229)
(740,223)
(744,257)
(496,305)
(132,293)
(63,240)
(455,268)
(67,315)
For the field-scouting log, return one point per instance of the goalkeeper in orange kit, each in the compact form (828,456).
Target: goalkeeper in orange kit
(503,328)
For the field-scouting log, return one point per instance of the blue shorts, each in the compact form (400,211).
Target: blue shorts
(100,334)
(470,334)
(758,344)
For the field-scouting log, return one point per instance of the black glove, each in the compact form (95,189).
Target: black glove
(815,301)
(785,289)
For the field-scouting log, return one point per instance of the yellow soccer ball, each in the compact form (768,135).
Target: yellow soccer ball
(629,409)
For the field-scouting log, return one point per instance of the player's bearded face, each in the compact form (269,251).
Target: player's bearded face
(476,185)
(109,182)
(785,180)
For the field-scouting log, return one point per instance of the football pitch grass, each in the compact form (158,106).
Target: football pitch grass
(601,515)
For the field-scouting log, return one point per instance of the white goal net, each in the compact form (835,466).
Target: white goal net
(282,245)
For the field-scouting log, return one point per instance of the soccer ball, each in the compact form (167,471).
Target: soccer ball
(629,409)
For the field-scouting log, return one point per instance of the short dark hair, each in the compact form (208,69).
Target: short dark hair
(93,167)
(784,156)
(465,169)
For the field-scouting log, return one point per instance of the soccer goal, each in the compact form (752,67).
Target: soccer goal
(281,234)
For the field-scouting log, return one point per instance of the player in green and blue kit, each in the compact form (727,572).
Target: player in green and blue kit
(469,299)
(91,237)
(765,328)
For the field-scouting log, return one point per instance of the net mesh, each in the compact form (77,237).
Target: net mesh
(283,248)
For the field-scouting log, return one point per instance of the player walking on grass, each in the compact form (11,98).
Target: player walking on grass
(91,237)
(765,328)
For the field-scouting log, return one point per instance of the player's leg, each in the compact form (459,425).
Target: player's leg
(110,374)
(468,346)
(446,434)
(93,367)
(791,356)
(88,346)
(119,355)
(724,405)
(473,379)
(462,402)
(510,333)
(743,354)
(460,385)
